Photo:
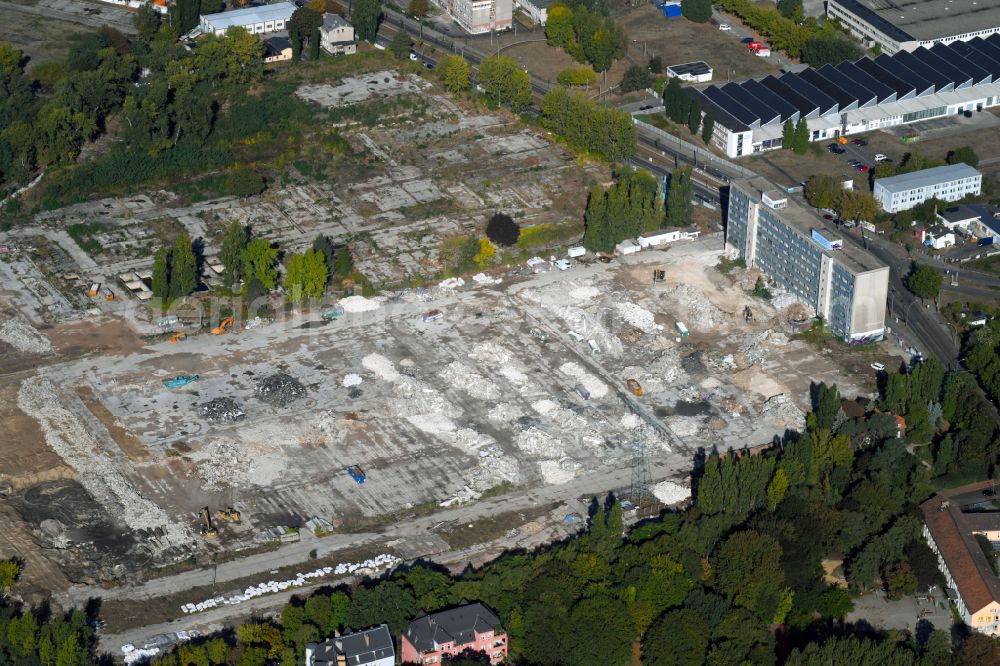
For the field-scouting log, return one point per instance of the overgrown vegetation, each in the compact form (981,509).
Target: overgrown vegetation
(583,29)
(589,127)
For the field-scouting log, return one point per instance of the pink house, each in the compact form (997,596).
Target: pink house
(472,627)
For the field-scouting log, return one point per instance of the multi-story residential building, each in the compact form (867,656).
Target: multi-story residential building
(790,243)
(371,647)
(954,522)
(480,16)
(906,26)
(470,627)
(948,183)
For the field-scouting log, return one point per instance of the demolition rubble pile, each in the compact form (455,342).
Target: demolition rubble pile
(368,567)
(279,390)
(221,410)
(20,335)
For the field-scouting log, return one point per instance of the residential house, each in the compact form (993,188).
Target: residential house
(937,237)
(962,527)
(371,647)
(336,35)
(979,220)
(469,627)
(277,49)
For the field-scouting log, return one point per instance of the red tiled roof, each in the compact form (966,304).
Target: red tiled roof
(961,552)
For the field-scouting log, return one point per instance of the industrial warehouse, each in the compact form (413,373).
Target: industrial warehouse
(854,97)
(905,26)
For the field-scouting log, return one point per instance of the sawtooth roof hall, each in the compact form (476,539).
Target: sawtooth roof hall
(854,97)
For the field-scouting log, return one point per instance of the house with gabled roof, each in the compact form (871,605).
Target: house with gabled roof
(468,627)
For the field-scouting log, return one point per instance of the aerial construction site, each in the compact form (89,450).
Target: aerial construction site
(188,464)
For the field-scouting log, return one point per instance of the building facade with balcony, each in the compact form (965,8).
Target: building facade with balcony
(480,16)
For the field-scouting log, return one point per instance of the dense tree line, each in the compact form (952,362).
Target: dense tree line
(815,43)
(175,108)
(627,209)
(586,33)
(504,81)
(685,110)
(827,192)
(588,126)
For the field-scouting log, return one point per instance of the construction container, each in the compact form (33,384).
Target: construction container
(671,10)
(682,329)
(594,349)
(94,290)
(582,391)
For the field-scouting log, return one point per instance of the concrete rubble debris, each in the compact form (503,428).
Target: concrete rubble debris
(462,377)
(279,390)
(367,567)
(781,409)
(451,283)
(352,379)
(636,316)
(594,386)
(559,471)
(360,304)
(630,335)
(669,492)
(381,366)
(98,471)
(23,337)
(585,293)
(696,310)
(221,410)
(483,278)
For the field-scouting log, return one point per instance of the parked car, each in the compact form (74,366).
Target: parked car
(853,163)
(859,142)
(562,264)
(864,167)
(724,27)
(879,157)
(837,150)
(968,114)
(828,217)
(878,367)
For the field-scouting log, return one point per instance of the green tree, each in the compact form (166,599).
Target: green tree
(231,251)
(978,650)
(680,210)
(454,72)
(258,262)
(210,7)
(390,602)
(344,265)
(505,82)
(303,26)
(314,43)
(776,489)
(748,570)
(822,190)
(596,234)
(183,268)
(577,76)
(365,15)
(707,128)
(698,11)
(418,8)
(306,276)
(791,9)
(676,102)
(184,15)
(603,632)
(788,135)
(656,64)
(964,155)
(800,142)
(821,50)
(243,182)
(10,571)
(924,281)
(694,117)
(678,638)
(635,78)
(401,45)
(900,579)
(161,275)
(146,21)
(559,27)
(857,205)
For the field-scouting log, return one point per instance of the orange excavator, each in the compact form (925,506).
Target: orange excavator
(223,325)
(177,337)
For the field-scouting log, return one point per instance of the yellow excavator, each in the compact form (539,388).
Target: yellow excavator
(207,528)
(229,514)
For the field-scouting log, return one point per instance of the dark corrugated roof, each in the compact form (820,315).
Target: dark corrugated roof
(876,21)
(360,648)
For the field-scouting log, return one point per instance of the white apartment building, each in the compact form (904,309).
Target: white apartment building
(948,183)
(480,16)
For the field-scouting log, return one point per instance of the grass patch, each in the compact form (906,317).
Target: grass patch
(725,266)
(542,235)
(492,527)
(83,234)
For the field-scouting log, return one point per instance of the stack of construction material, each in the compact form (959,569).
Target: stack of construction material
(279,390)
(222,410)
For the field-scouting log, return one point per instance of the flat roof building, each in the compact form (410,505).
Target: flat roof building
(537,10)
(698,71)
(854,97)
(908,24)
(953,519)
(793,245)
(255,20)
(948,183)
